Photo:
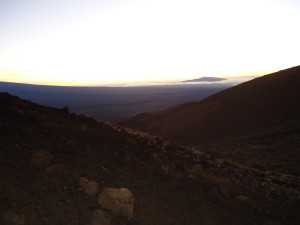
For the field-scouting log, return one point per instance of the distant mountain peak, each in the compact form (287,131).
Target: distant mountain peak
(206,79)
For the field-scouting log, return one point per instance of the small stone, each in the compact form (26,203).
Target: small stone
(218,193)
(131,141)
(220,182)
(245,200)
(56,169)
(83,181)
(196,171)
(271,222)
(214,194)
(9,218)
(128,159)
(90,188)
(119,201)
(100,218)
(224,192)
(41,158)
(219,162)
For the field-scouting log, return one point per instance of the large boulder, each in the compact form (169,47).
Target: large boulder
(119,201)
(41,158)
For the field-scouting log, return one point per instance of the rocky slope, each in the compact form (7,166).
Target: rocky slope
(61,168)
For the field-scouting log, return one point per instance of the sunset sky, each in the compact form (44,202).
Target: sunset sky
(84,42)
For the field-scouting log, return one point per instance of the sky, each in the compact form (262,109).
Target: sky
(94,42)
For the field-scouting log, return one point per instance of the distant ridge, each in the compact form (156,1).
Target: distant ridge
(262,104)
(206,79)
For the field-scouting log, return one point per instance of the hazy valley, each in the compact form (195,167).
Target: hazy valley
(113,103)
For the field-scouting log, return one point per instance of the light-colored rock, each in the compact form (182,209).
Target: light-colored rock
(119,201)
(90,188)
(241,198)
(245,200)
(41,158)
(100,218)
(56,169)
(9,218)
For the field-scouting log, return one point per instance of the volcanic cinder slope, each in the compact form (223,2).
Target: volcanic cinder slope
(46,154)
(264,104)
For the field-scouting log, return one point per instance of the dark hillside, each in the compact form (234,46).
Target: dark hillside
(55,168)
(271,102)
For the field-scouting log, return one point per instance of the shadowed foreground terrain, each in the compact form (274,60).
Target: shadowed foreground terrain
(46,155)
(256,123)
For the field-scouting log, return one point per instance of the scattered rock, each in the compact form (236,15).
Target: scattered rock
(56,169)
(221,182)
(131,141)
(100,218)
(41,158)
(119,201)
(218,193)
(133,222)
(9,218)
(128,159)
(214,194)
(83,181)
(90,188)
(219,162)
(271,222)
(160,157)
(224,192)
(245,200)
(83,127)
(196,171)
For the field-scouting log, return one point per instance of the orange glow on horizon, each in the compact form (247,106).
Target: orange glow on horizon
(25,77)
